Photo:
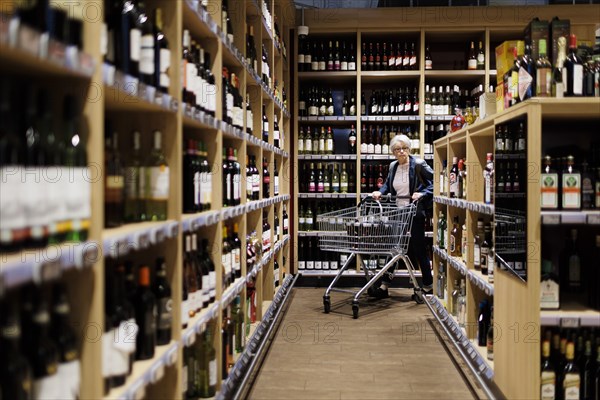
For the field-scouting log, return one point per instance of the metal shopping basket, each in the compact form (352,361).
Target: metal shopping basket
(372,229)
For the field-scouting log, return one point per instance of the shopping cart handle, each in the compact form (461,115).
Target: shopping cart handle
(388,197)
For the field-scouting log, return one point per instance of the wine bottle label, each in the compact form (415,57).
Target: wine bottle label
(318,264)
(301,59)
(571,385)
(477,256)
(69,374)
(147,55)
(351,66)
(205,288)
(428,64)
(577,79)
(371,148)
(413,61)
(135,38)
(322,66)
(344,66)
(301,264)
(212,372)
(364,148)
(184,378)
(549,294)
(165,312)
(108,351)
(548,385)
(310,264)
(165,64)
(159,182)
(374,108)
(571,188)
(314,65)
(333,264)
(472,64)
(237,265)
(544,82)
(79,197)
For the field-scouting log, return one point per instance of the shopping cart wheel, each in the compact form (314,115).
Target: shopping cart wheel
(355,310)
(418,296)
(326,304)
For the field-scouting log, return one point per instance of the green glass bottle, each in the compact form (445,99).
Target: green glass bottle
(157,182)
(207,365)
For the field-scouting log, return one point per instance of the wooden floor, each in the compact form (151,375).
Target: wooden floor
(390,352)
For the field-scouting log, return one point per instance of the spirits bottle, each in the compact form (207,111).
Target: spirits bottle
(157,182)
(462,305)
(548,375)
(543,79)
(549,186)
(572,72)
(571,186)
(549,287)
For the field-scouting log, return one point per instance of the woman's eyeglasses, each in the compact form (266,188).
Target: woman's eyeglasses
(399,149)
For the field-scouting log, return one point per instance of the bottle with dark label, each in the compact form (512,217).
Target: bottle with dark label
(162,291)
(114,180)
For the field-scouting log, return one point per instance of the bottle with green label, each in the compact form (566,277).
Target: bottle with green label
(571,186)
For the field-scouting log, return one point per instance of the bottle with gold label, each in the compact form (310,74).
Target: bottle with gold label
(571,378)
(548,376)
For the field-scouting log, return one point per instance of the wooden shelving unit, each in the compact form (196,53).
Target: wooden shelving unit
(515,379)
(129,105)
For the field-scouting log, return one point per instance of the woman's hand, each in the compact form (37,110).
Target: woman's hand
(376,195)
(416,196)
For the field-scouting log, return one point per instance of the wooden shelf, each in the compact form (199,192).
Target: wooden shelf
(570,315)
(330,120)
(331,157)
(117,242)
(570,217)
(474,206)
(390,118)
(329,76)
(135,99)
(461,76)
(368,77)
(327,195)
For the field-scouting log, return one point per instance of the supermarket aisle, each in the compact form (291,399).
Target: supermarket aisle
(390,352)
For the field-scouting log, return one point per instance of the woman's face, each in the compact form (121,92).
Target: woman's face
(401,151)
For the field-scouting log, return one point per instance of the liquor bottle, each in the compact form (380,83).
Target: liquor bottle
(571,378)
(572,72)
(453,178)
(480,57)
(548,374)
(207,365)
(527,75)
(441,229)
(483,323)
(559,72)
(488,176)
(113,181)
(265,125)
(428,60)
(485,247)
(543,78)
(16,371)
(286,221)
(570,268)
(490,337)
(549,287)
(147,72)
(266,180)
(157,178)
(162,292)
(462,305)
(76,184)
(145,316)
(478,238)
(571,186)
(587,188)
(455,248)
(162,54)
(69,369)
(549,186)
(472,60)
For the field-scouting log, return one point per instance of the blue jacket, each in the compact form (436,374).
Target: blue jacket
(420,180)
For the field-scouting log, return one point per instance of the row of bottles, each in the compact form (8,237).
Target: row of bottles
(389,56)
(564,186)
(138,317)
(390,102)
(326,56)
(278,134)
(199,370)
(135,189)
(197,178)
(311,258)
(199,277)
(570,364)
(232,178)
(46,181)
(40,349)
(231,255)
(198,81)
(320,102)
(232,100)
(453,181)
(455,240)
(254,179)
(321,143)
(510,139)
(135,44)
(475,59)
(445,101)
(327,178)
(376,139)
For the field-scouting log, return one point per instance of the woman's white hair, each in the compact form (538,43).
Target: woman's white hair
(399,139)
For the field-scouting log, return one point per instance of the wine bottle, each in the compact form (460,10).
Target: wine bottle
(548,376)
(472,60)
(15,370)
(114,180)
(162,292)
(207,365)
(236,249)
(572,72)
(147,71)
(134,184)
(157,182)
(44,355)
(543,79)
(145,316)
(571,378)
(266,179)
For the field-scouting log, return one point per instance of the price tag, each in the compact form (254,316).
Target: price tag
(90,254)
(44,272)
(138,392)
(593,219)
(551,219)
(171,357)
(570,322)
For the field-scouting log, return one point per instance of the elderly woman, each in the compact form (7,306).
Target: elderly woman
(409,178)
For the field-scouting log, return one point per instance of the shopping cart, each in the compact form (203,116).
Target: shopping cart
(372,229)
